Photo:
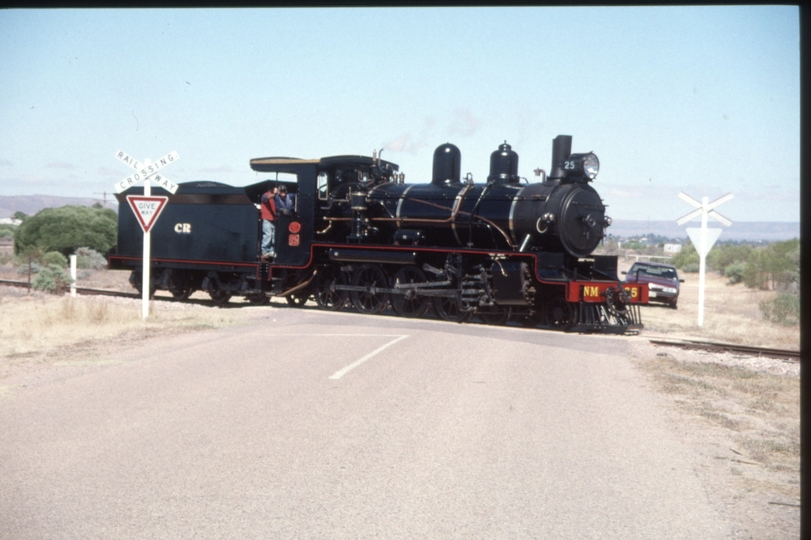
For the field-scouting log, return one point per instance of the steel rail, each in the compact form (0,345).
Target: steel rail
(714,346)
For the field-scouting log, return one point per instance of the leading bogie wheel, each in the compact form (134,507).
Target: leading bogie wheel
(559,314)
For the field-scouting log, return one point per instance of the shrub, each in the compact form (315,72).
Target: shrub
(23,269)
(687,256)
(68,228)
(735,272)
(52,279)
(87,258)
(55,258)
(722,256)
(691,268)
(783,309)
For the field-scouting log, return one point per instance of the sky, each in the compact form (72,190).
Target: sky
(700,99)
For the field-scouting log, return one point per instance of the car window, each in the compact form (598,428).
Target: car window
(657,271)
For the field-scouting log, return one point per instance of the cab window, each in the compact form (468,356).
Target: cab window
(323,186)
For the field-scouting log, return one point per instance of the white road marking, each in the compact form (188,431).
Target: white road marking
(338,374)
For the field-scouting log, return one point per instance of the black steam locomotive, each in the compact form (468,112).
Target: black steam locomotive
(361,237)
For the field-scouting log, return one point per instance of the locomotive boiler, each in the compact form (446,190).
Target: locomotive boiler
(561,214)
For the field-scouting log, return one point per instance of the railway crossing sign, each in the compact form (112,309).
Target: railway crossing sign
(147,209)
(146,171)
(704,238)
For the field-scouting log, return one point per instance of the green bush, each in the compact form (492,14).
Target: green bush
(735,272)
(722,256)
(52,279)
(691,268)
(68,228)
(784,309)
(90,259)
(776,266)
(687,256)
(55,258)
(23,269)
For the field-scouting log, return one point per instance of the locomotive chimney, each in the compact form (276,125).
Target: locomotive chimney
(447,165)
(561,149)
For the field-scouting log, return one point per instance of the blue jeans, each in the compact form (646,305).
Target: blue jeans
(268,237)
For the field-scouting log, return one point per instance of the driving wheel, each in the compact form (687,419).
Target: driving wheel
(409,304)
(326,296)
(370,301)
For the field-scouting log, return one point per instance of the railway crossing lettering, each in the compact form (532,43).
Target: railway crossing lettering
(147,170)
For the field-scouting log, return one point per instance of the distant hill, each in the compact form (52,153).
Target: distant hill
(31,204)
(770,231)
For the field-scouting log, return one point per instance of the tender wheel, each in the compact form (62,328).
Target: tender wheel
(298,298)
(559,314)
(182,294)
(409,304)
(447,308)
(258,299)
(220,297)
(369,275)
(495,316)
(136,279)
(325,294)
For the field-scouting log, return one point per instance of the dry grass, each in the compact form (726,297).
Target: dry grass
(40,323)
(731,315)
(747,421)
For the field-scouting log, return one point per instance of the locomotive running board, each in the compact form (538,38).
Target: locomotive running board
(372,256)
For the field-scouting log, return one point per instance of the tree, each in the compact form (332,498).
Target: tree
(20,215)
(68,228)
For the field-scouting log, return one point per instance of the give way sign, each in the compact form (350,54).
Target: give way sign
(147,209)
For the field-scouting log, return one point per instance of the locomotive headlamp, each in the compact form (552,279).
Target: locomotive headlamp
(582,164)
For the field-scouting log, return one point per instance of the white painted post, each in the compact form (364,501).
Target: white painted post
(702,262)
(73,275)
(145,281)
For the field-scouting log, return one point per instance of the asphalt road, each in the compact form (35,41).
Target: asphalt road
(320,425)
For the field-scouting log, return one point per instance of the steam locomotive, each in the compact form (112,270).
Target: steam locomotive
(361,237)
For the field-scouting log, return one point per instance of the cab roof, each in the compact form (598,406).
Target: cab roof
(282,164)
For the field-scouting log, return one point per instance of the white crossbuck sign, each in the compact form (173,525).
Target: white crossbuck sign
(704,238)
(147,170)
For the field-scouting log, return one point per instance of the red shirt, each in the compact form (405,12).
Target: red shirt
(268,207)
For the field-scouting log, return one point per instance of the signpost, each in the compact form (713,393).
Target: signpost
(704,238)
(147,208)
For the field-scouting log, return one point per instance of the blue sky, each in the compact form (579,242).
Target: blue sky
(704,100)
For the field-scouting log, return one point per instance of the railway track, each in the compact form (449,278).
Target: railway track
(712,346)
(715,346)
